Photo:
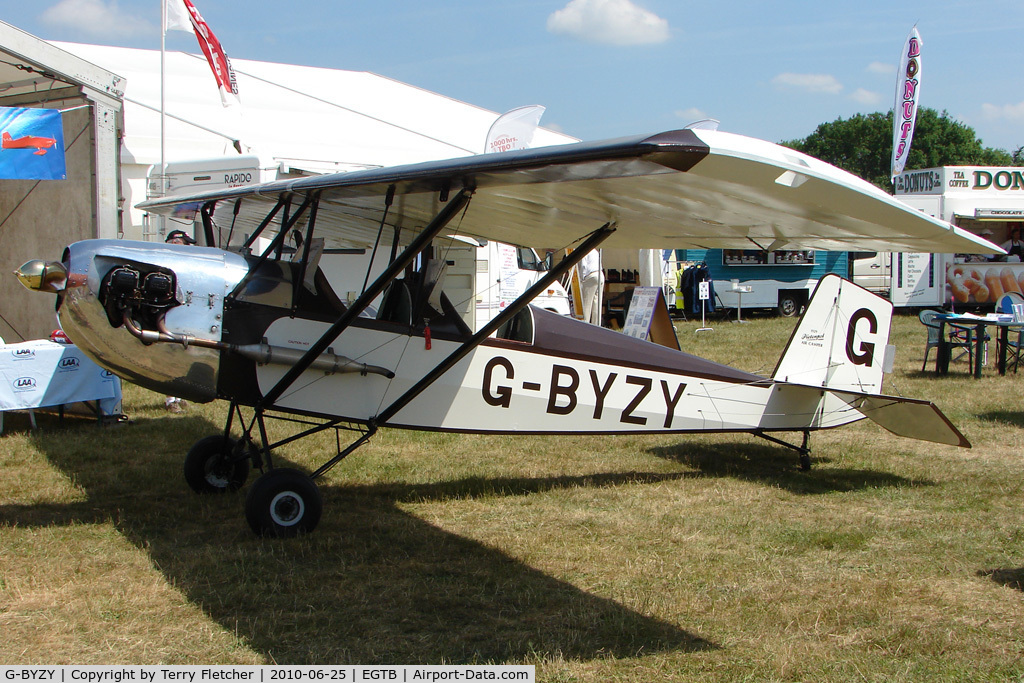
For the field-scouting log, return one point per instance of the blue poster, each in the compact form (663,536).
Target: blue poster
(31,144)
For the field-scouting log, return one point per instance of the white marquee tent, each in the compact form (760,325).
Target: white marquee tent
(297,119)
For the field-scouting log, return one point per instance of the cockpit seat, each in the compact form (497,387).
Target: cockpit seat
(519,328)
(396,305)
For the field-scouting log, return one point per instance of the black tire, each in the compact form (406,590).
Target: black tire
(209,470)
(788,305)
(283,503)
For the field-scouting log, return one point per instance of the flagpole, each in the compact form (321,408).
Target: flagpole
(163,114)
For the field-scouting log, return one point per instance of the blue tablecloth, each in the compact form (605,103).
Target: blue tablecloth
(41,373)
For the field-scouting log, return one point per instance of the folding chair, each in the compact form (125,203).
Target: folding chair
(959,337)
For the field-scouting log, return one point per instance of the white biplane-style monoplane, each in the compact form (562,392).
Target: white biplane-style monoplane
(267,333)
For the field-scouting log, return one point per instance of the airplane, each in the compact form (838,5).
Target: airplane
(267,333)
(27,142)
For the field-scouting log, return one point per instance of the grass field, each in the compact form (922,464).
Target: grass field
(710,558)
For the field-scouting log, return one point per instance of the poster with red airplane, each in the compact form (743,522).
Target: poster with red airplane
(31,144)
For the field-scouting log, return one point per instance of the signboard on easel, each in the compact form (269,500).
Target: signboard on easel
(648,318)
(704,292)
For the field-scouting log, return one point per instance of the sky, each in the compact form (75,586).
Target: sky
(611,68)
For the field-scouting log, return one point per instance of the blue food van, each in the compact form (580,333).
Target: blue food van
(753,278)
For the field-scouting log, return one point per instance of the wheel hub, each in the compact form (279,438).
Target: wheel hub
(287,508)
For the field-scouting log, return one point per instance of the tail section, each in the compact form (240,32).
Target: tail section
(841,341)
(840,344)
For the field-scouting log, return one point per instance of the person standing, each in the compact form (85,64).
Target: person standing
(1015,245)
(591,287)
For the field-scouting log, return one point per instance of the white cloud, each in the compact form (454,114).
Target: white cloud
(881,68)
(1009,112)
(97,18)
(611,22)
(817,83)
(866,97)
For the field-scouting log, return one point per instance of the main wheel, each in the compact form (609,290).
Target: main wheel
(283,503)
(213,466)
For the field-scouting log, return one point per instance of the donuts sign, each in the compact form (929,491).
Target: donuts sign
(908,91)
(982,283)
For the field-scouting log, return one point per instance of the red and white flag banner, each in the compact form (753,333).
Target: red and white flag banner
(908,93)
(178,11)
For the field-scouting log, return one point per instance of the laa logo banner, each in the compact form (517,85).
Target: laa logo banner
(24,384)
(23,354)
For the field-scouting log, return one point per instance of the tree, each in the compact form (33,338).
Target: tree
(862,145)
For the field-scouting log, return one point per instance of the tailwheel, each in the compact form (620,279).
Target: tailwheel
(215,465)
(283,503)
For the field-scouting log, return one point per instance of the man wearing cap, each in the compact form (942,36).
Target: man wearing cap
(179,237)
(173,403)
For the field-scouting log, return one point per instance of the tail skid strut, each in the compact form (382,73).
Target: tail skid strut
(804,450)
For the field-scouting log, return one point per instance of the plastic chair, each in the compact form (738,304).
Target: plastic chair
(959,337)
(1013,347)
(1006,302)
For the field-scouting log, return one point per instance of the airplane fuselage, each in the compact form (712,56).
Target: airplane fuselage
(510,386)
(553,375)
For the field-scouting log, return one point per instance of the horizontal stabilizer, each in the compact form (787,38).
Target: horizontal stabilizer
(914,419)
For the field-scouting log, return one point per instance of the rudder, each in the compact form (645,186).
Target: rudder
(840,342)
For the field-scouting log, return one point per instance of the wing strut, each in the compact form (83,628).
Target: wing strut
(307,243)
(510,311)
(445,216)
(286,225)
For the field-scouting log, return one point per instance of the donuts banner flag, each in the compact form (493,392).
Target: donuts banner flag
(908,93)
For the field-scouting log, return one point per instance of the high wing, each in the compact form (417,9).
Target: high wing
(679,189)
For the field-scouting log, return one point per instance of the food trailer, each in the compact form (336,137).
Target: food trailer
(986,200)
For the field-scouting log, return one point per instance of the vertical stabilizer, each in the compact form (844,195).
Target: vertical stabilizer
(840,342)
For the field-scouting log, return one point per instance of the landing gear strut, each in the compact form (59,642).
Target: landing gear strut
(283,502)
(803,450)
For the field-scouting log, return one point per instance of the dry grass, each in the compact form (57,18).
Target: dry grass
(596,558)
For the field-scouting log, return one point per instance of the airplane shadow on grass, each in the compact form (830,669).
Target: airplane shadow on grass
(775,466)
(1011,578)
(1012,417)
(373,584)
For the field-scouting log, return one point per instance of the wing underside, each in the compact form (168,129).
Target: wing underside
(682,189)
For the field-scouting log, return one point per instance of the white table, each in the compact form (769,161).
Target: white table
(740,291)
(41,373)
